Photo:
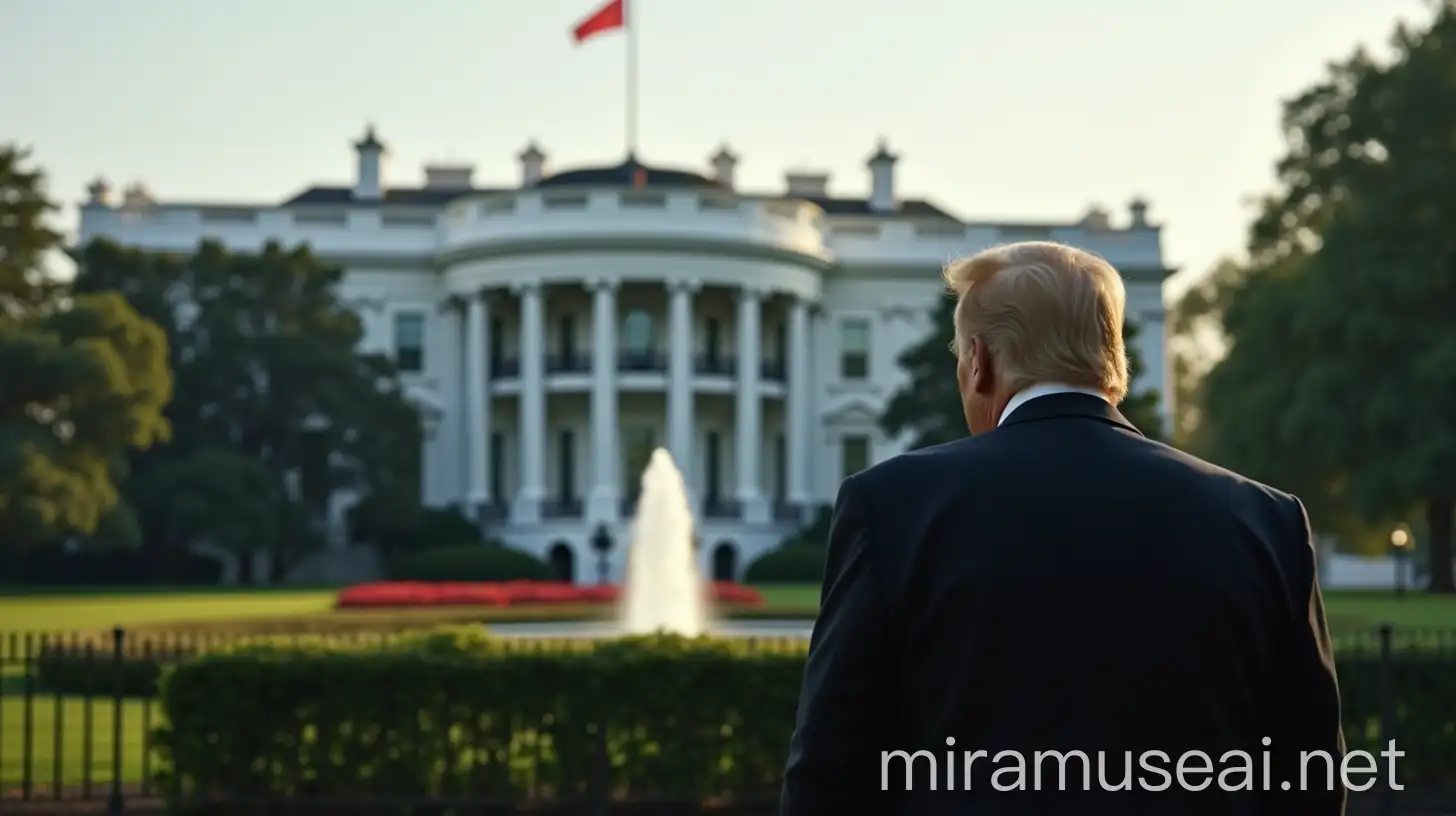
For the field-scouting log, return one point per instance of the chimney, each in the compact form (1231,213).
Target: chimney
(98,193)
(136,198)
(533,165)
(806,184)
(882,180)
(448,176)
(1138,210)
(1096,219)
(369,183)
(724,163)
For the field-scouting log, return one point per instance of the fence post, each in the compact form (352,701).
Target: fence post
(1387,710)
(116,803)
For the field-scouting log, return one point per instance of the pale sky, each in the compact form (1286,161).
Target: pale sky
(1017,109)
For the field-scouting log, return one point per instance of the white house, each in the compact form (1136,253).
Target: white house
(560,327)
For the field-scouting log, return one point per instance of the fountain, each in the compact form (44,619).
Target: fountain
(664,589)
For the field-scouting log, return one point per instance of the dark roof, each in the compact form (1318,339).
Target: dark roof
(625,175)
(911,208)
(406,196)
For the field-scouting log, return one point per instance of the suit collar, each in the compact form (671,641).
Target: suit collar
(1065,404)
(1044,389)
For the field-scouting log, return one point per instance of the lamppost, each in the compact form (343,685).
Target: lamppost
(1401,542)
(602,542)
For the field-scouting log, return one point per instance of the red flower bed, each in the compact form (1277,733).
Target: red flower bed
(511,593)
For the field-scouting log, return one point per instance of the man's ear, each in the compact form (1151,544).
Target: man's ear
(983,368)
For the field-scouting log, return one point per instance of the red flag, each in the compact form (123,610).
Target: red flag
(607,18)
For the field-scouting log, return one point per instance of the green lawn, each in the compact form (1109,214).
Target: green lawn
(73,745)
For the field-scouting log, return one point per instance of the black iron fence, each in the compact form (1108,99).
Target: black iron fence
(79,717)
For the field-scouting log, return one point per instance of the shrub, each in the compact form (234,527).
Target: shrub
(788,565)
(470,562)
(679,718)
(98,566)
(816,532)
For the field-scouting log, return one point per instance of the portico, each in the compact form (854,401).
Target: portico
(669,341)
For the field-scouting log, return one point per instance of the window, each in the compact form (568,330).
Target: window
(713,341)
(781,467)
(781,344)
(712,465)
(566,338)
(637,333)
(854,349)
(854,454)
(497,467)
(637,446)
(566,465)
(497,344)
(409,341)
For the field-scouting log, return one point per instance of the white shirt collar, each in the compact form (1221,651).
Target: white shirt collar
(1044,390)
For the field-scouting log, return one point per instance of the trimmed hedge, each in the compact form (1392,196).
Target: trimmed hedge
(788,565)
(454,715)
(460,714)
(470,562)
(55,566)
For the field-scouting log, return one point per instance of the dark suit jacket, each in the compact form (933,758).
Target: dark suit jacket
(1064,584)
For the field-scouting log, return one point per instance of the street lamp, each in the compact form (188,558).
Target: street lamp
(1401,542)
(602,543)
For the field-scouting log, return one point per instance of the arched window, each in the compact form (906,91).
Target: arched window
(725,562)
(563,562)
(637,333)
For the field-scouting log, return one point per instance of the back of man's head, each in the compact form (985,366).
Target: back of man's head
(1046,312)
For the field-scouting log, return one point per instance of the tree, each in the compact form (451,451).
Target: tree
(25,238)
(1340,377)
(929,404)
(268,369)
(85,380)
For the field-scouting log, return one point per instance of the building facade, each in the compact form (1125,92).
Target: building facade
(556,330)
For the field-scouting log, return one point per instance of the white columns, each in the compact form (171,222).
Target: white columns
(680,374)
(532,405)
(750,404)
(797,413)
(605,492)
(477,404)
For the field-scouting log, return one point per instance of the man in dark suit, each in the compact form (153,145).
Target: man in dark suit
(1056,606)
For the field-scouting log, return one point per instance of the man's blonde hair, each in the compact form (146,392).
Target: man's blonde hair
(1046,312)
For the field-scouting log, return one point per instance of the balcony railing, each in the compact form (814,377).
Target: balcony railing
(651,362)
(717,507)
(561,507)
(505,368)
(572,363)
(715,366)
(641,361)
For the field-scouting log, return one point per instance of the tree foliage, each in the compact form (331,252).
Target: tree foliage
(25,237)
(85,381)
(928,406)
(1340,377)
(277,410)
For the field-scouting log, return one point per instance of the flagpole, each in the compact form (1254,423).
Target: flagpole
(631,33)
